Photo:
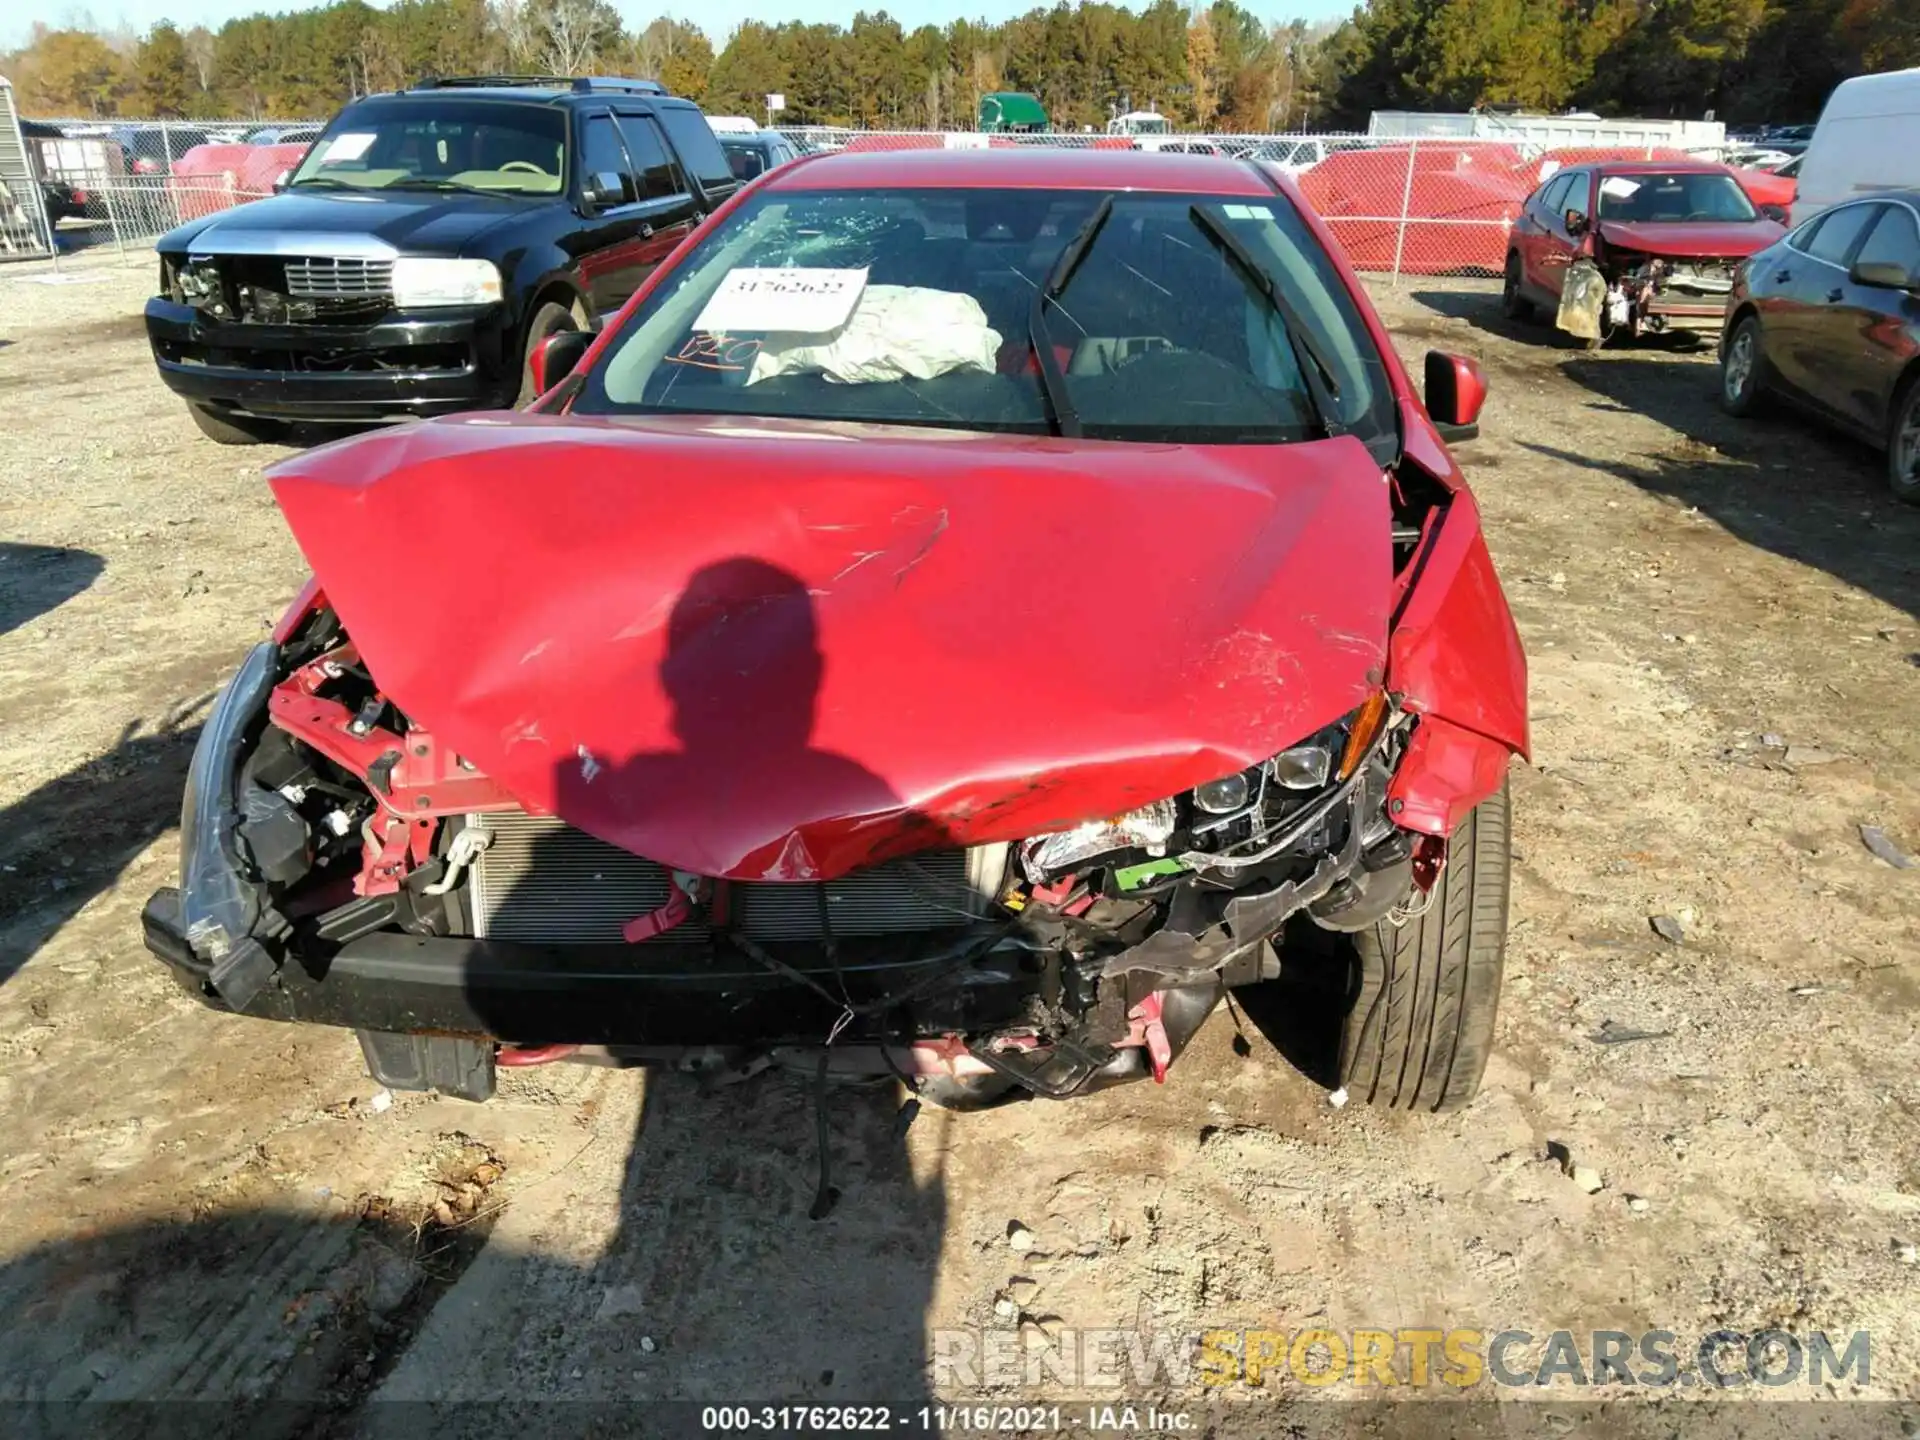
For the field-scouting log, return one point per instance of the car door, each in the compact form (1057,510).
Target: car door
(1556,245)
(1530,230)
(666,197)
(607,247)
(1866,337)
(1804,286)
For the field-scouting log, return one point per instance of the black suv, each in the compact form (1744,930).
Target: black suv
(427,242)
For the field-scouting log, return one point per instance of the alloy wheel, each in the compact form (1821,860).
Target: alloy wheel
(1739,368)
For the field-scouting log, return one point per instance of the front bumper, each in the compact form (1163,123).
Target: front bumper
(409,364)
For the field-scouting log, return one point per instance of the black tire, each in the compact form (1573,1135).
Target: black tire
(225,428)
(1513,304)
(1743,368)
(1421,1026)
(549,319)
(1903,444)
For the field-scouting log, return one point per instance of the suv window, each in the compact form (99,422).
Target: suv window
(440,144)
(1894,240)
(602,155)
(658,175)
(1555,192)
(701,153)
(1834,233)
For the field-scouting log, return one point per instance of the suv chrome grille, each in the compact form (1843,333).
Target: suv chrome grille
(325,277)
(543,882)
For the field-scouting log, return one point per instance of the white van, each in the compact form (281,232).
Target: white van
(1868,139)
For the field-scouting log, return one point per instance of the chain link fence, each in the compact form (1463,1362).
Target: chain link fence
(1396,206)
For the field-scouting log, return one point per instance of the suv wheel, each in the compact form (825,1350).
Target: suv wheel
(1421,1025)
(549,319)
(1743,368)
(227,428)
(1903,445)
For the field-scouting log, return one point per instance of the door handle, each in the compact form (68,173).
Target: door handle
(1781,277)
(646,230)
(1833,297)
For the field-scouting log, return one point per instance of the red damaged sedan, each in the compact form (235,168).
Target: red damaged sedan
(1629,248)
(950,624)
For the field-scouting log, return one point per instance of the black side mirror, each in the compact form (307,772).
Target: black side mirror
(604,189)
(1775,213)
(1576,223)
(1884,275)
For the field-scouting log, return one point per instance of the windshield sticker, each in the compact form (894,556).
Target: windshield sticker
(347,147)
(790,298)
(1244,212)
(1618,186)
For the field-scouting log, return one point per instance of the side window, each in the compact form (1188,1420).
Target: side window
(1837,231)
(746,163)
(1577,199)
(1894,240)
(699,151)
(654,167)
(602,155)
(1555,193)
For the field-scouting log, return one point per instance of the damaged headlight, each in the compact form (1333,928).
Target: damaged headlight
(1148,828)
(218,905)
(1266,808)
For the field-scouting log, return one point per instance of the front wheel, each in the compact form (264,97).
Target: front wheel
(1743,369)
(1513,304)
(226,428)
(1421,1025)
(1903,445)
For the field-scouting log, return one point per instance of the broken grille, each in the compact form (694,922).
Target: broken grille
(541,881)
(327,278)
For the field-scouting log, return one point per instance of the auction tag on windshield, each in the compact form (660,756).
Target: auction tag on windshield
(347,147)
(789,298)
(1618,186)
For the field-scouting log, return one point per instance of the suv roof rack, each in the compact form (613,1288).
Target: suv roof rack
(583,84)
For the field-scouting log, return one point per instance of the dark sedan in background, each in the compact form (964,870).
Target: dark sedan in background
(1829,318)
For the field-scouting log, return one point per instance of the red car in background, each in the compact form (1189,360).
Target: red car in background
(1632,248)
(948,624)
(211,178)
(1461,199)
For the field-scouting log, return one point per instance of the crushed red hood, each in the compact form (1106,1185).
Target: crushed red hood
(1692,239)
(784,650)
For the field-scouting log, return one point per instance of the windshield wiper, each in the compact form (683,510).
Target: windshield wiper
(1066,420)
(321,182)
(432,182)
(1323,386)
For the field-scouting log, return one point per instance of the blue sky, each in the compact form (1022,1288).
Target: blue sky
(716,17)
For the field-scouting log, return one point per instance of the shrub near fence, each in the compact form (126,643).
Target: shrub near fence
(1398,207)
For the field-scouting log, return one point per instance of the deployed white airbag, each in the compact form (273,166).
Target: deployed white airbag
(895,332)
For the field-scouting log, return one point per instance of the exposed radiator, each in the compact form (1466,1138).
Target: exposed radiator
(543,881)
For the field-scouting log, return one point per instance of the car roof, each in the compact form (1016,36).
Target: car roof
(1024,168)
(525,95)
(1657,167)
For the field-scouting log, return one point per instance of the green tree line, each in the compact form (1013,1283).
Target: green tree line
(1215,67)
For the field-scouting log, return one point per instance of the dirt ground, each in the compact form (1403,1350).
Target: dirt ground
(1723,620)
